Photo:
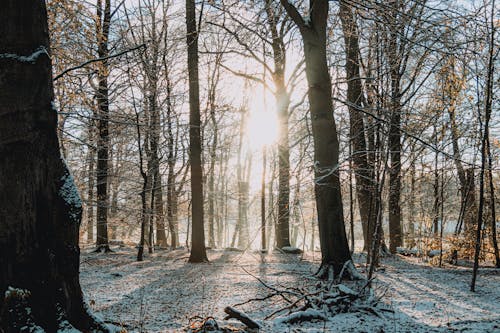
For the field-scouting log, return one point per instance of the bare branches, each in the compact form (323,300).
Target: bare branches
(294,13)
(116,55)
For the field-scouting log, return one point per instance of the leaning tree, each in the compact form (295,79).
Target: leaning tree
(40,209)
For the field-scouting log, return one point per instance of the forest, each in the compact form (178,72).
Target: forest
(249,166)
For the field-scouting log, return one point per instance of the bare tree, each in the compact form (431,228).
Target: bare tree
(198,251)
(333,239)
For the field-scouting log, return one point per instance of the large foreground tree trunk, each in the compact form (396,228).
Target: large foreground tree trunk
(333,240)
(40,209)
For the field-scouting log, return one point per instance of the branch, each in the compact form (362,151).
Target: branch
(293,13)
(247,76)
(66,71)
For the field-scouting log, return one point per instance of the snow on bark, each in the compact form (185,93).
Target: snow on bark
(32,58)
(69,193)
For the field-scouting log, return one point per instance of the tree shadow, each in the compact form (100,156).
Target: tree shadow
(164,292)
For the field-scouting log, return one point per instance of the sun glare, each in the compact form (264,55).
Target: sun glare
(262,124)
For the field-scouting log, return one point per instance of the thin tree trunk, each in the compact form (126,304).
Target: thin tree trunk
(282,106)
(493,208)
(263,201)
(362,169)
(90,195)
(486,133)
(435,210)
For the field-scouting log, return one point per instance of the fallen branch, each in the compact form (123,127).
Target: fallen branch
(241,316)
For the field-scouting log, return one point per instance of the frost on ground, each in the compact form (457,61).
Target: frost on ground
(164,293)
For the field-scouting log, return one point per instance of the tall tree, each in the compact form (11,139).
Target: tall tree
(365,184)
(395,146)
(103,20)
(334,246)
(198,250)
(40,214)
(282,105)
(488,106)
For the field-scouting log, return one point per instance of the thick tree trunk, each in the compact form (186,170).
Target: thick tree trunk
(198,251)
(334,246)
(41,211)
(102,30)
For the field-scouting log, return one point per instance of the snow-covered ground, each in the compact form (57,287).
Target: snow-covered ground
(164,293)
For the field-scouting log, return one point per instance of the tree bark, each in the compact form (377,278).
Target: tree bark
(488,106)
(40,213)
(90,194)
(282,106)
(334,246)
(395,235)
(198,251)
(102,30)
(365,184)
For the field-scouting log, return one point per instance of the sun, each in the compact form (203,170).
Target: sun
(262,123)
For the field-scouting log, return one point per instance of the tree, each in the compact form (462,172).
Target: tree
(365,183)
(488,106)
(198,251)
(40,213)
(102,31)
(333,240)
(282,105)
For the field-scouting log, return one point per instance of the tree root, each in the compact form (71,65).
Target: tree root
(18,315)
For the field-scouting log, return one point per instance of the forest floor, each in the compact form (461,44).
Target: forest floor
(164,293)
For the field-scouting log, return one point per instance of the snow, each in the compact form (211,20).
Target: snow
(164,293)
(26,59)
(312,314)
(69,192)
(307,21)
(17,292)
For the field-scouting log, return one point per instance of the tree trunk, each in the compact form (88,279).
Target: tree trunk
(198,251)
(40,213)
(161,236)
(488,105)
(365,185)
(263,201)
(334,246)
(282,105)
(213,155)
(90,195)
(102,30)
(395,235)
